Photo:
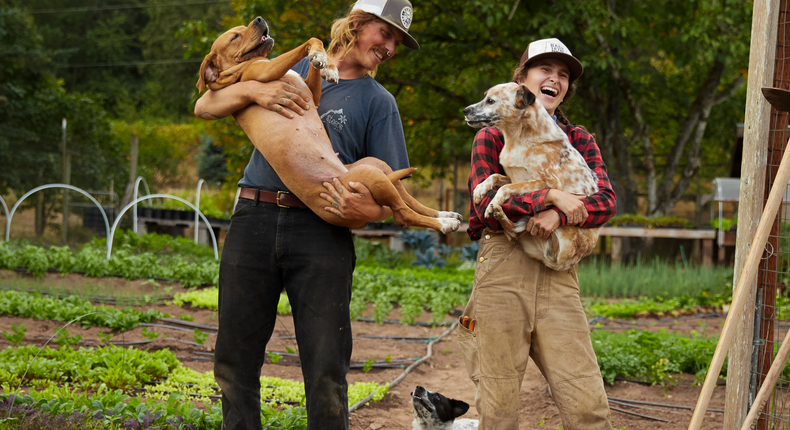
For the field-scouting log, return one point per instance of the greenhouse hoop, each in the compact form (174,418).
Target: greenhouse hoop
(71,187)
(197,205)
(5,208)
(154,196)
(147,192)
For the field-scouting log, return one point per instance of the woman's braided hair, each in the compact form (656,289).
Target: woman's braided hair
(521,73)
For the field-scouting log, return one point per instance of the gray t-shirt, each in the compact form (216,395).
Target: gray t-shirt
(361,119)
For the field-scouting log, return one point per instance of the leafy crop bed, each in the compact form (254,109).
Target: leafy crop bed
(138,350)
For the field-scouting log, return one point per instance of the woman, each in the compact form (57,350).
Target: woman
(270,248)
(522,308)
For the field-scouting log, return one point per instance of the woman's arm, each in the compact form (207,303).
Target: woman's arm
(279,96)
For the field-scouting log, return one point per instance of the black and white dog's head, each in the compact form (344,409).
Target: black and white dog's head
(433,411)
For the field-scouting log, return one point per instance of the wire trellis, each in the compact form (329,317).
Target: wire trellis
(773,308)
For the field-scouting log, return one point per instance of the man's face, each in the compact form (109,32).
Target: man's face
(376,43)
(548,80)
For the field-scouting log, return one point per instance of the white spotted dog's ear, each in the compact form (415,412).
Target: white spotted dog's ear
(524,97)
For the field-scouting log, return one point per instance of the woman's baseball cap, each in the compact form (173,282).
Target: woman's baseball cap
(552,48)
(395,12)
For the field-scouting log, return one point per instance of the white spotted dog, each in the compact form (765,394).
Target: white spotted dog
(433,411)
(536,155)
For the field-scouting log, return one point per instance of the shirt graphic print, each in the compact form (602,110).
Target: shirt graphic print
(335,118)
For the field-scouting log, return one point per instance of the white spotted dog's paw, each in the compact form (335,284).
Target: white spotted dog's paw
(330,74)
(494,210)
(454,215)
(481,190)
(449,225)
(317,59)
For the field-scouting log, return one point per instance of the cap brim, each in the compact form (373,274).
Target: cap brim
(407,39)
(574,65)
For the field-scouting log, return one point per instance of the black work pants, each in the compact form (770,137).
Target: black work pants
(269,248)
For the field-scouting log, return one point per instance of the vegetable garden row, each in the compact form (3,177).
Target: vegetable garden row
(104,383)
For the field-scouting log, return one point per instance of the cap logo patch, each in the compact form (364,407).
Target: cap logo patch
(555,47)
(405,17)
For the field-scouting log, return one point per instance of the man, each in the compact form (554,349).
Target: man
(270,248)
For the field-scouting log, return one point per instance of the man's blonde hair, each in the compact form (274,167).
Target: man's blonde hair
(344,34)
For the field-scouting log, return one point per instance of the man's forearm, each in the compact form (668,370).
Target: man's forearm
(221,103)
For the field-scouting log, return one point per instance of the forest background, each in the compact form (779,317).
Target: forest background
(663,88)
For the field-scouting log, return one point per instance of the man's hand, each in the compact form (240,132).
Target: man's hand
(543,223)
(281,97)
(353,203)
(571,205)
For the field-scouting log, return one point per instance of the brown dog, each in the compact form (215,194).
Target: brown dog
(536,155)
(299,149)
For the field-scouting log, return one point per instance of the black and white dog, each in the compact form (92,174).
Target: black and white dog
(433,411)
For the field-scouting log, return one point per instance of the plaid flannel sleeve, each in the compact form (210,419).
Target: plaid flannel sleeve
(487,145)
(601,205)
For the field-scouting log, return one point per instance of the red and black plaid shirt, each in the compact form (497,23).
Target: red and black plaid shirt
(485,162)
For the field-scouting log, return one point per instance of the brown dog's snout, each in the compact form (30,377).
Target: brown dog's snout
(469,109)
(260,22)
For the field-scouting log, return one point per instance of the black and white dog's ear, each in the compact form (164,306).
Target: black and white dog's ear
(459,407)
(524,97)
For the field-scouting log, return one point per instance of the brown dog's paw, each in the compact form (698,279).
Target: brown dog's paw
(449,225)
(330,74)
(446,214)
(317,59)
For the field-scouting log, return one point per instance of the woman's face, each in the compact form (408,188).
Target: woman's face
(376,43)
(548,80)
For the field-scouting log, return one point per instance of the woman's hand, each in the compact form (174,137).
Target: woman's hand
(353,203)
(543,223)
(571,205)
(278,96)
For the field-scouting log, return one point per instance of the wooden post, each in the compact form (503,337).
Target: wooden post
(756,129)
(66,174)
(134,144)
(707,252)
(617,247)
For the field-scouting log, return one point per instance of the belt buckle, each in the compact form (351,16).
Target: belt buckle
(277,200)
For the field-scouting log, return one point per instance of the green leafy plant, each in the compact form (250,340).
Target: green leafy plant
(19,334)
(388,358)
(65,340)
(725,224)
(275,357)
(368,365)
(200,337)
(105,337)
(150,334)
(290,350)
(186,317)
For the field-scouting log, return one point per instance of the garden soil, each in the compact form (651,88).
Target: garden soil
(399,344)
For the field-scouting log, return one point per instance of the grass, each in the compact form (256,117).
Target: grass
(656,279)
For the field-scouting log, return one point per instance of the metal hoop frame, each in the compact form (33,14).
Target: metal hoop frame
(43,187)
(197,205)
(147,192)
(155,196)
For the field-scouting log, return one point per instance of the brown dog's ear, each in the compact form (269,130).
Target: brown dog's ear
(524,97)
(208,72)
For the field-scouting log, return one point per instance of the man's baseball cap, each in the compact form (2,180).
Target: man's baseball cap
(553,48)
(395,12)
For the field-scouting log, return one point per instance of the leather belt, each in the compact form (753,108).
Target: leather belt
(283,199)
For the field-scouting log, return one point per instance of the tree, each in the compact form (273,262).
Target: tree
(211,163)
(30,122)
(656,74)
